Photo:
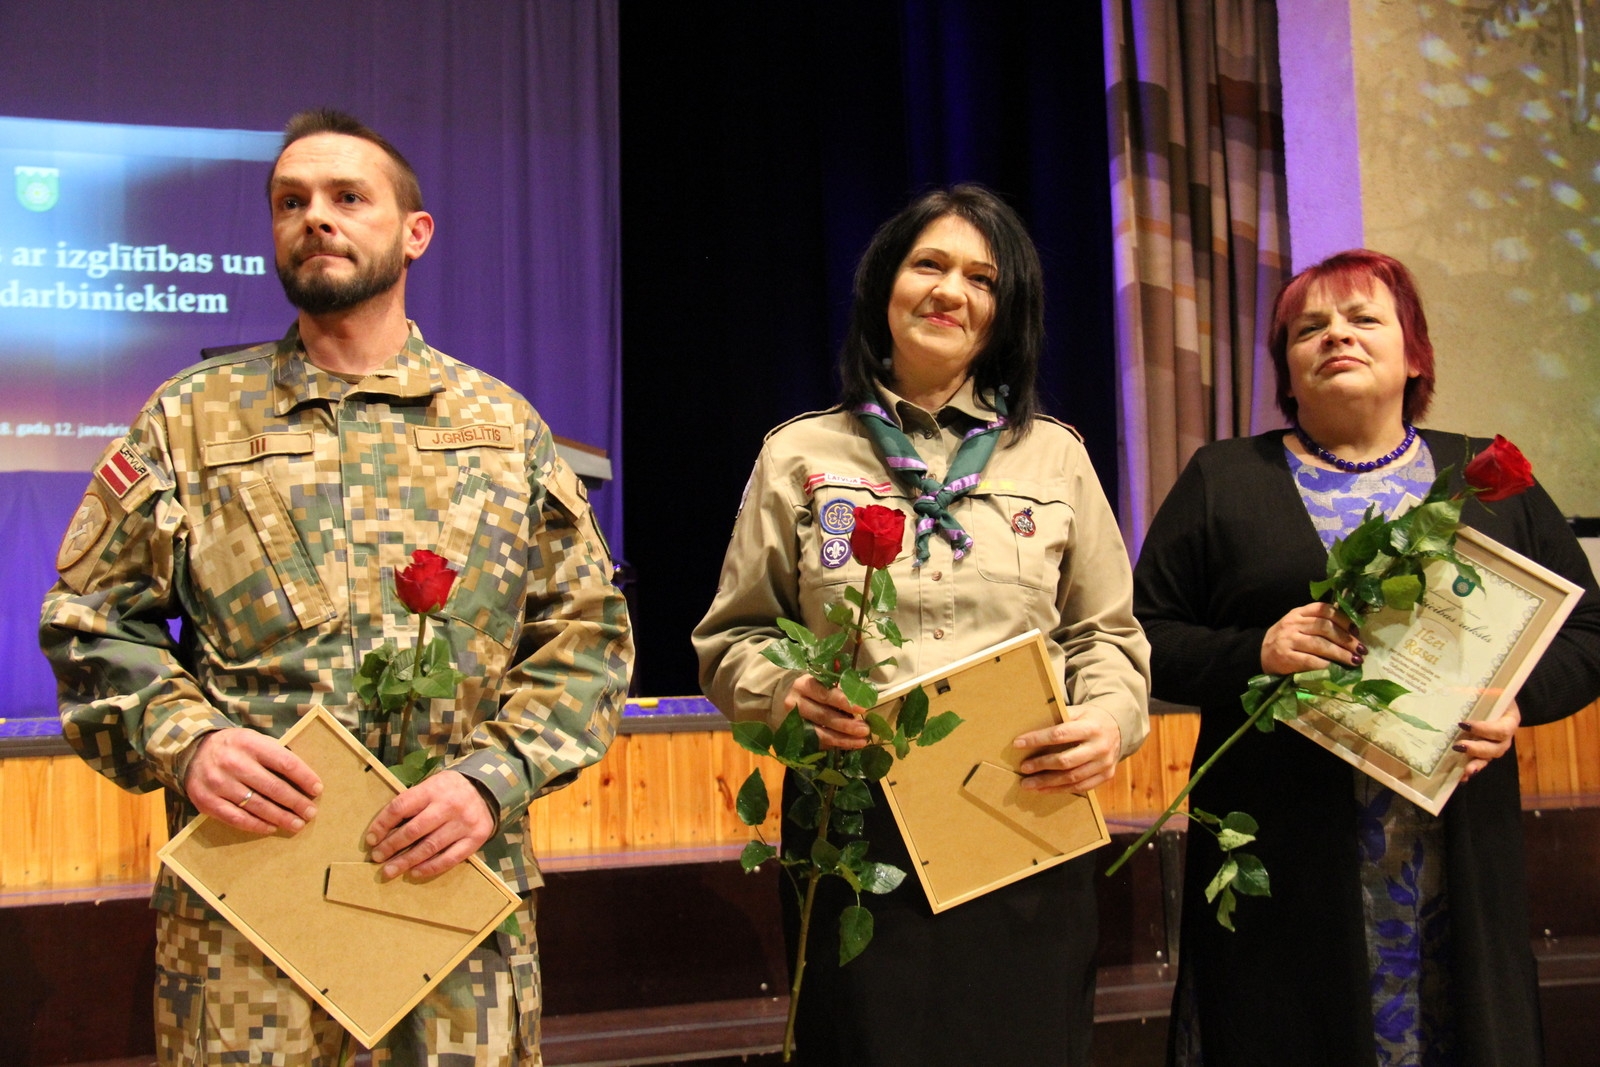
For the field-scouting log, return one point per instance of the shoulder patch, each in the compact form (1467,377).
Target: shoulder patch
(88,523)
(123,470)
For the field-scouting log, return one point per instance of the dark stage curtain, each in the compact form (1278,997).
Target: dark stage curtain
(508,110)
(762,144)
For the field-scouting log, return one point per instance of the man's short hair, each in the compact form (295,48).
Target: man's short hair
(328,120)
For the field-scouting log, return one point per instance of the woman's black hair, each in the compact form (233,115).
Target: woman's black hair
(1010,355)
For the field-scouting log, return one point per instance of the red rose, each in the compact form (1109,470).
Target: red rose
(425,585)
(877,535)
(1499,471)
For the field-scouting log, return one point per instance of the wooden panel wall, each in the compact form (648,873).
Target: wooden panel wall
(63,827)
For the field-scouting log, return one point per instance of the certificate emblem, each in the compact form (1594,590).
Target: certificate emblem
(38,188)
(838,516)
(835,552)
(1022,523)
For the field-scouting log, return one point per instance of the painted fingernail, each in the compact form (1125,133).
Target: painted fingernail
(1358,660)
(1459,747)
(1361,649)
(1464,727)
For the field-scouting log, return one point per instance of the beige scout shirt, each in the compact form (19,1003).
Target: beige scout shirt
(1069,577)
(268,504)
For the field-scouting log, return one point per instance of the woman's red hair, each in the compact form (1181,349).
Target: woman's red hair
(1354,272)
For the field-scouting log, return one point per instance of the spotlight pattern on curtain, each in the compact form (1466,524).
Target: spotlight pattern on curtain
(1200,230)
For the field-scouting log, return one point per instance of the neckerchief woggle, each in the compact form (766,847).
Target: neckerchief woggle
(933,499)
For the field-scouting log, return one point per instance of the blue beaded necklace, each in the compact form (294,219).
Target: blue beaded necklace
(1345,464)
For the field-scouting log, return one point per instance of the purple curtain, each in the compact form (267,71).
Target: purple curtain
(508,111)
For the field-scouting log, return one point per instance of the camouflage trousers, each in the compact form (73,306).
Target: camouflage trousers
(220,1001)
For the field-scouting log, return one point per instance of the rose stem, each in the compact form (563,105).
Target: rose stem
(1195,778)
(416,672)
(813,876)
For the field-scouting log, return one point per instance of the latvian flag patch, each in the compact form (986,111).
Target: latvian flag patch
(123,471)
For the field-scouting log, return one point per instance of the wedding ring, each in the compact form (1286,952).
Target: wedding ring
(247,795)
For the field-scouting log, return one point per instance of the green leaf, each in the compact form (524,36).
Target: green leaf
(1263,682)
(755,854)
(853,855)
(855,796)
(798,634)
(857,690)
(786,654)
(1400,593)
(938,728)
(1251,699)
(414,767)
(881,877)
(884,597)
(1205,817)
(1381,690)
(1252,878)
(851,878)
(1224,875)
(753,802)
(1320,589)
(829,648)
(806,811)
(840,614)
(824,854)
(913,712)
(891,632)
(848,822)
(1228,840)
(853,595)
(855,932)
(441,683)
(1225,908)
(373,666)
(902,747)
(1340,675)
(832,777)
(876,762)
(790,740)
(881,730)
(1241,822)
(754,736)
(511,927)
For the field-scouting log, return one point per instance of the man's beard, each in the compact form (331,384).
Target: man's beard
(322,295)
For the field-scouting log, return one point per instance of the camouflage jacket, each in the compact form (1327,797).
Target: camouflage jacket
(267,503)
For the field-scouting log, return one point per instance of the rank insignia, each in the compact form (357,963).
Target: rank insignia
(1022,523)
(838,516)
(835,552)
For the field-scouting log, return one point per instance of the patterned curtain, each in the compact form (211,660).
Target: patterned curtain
(1200,230)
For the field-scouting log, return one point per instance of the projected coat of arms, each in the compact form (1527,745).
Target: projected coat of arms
(38,188)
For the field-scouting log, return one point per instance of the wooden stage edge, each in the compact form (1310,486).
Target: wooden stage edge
(660,797)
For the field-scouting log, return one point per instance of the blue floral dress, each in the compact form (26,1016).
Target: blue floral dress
(1402,847)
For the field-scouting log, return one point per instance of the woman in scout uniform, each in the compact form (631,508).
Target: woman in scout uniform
(1011,531)
(1391,935)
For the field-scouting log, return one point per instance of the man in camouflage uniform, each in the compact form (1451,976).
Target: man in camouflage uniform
(266,498)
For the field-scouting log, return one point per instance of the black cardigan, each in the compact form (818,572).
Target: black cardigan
(1230,552)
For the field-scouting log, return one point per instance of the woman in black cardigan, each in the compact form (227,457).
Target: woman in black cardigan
(1391,935)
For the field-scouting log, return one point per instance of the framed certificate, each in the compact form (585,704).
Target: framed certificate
(1464,651)
(365,949)
(969,825)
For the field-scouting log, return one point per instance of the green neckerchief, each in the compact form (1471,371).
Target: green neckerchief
(934,498)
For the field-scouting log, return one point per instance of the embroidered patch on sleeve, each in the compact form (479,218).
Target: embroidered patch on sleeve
(124,470)
(83,532)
